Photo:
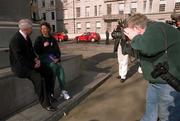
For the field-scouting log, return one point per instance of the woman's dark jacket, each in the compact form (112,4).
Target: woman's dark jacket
(44,51)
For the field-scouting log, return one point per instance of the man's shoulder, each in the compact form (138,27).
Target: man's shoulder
(15,37)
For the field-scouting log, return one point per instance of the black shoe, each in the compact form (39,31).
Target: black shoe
(53,99)
(50,108)
(118,77)
(122,80)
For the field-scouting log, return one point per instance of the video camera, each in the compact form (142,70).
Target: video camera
(171,22)
(162,70)
(118,33)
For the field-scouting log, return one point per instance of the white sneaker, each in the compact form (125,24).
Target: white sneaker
(140,70)
(65,94)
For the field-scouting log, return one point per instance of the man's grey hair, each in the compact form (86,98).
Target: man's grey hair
(24,24)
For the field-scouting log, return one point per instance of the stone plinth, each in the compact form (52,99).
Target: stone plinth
(13,10)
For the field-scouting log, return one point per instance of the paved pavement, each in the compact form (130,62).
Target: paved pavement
(113,101)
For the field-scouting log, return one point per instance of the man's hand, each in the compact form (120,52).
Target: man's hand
(37,63)
(130,33)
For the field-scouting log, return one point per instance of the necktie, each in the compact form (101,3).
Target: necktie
(27,38)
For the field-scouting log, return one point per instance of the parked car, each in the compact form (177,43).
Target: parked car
(88,36)
(60,36)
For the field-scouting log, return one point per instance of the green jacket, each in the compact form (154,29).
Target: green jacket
(152,45)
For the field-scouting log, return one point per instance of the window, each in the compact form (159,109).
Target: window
(98,26)
(109,9)
(99,10)
(88,25)
(78,12)
(150,4)
(87,11)
(95,10)
(133,10)
(78,27)
(52,16)
(53,28)
(144,5)
(44,16)
(34,15)
(133,7)
(43,3)
(177,6)
(52,3)
(121,8)
(162,7)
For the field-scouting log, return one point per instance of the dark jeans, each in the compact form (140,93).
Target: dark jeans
(43,81)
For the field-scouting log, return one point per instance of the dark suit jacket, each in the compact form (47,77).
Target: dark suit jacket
(21,55)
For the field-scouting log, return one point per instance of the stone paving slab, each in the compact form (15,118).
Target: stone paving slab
(81,87)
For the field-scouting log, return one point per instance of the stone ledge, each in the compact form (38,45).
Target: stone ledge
(17,93)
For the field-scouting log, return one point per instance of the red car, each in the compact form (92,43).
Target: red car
(60,36)
(88,36)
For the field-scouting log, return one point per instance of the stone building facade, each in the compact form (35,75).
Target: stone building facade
(78,16)
(98,15)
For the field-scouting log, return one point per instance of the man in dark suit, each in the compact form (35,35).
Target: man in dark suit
(25,64)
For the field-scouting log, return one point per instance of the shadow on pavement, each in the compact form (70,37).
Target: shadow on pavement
(132,70)
(92,62)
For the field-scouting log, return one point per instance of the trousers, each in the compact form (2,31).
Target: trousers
(123,63)
(162,102)
(43,81)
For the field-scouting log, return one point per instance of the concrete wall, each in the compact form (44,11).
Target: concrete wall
(4,54)
(17,93)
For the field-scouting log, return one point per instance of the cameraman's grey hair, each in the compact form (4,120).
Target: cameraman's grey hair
(24,24)
(137,20)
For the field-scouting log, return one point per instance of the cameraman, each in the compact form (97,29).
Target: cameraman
(149,38)
(118,35)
